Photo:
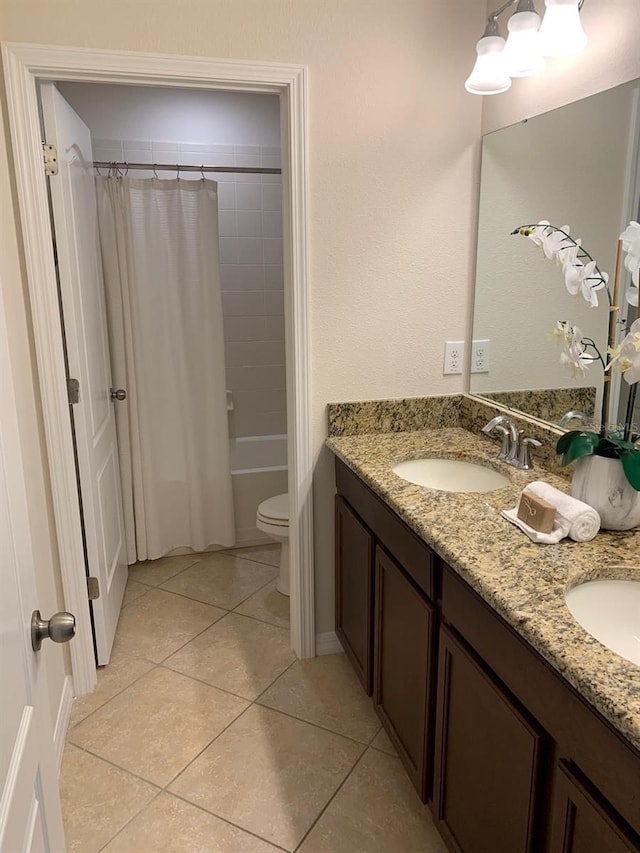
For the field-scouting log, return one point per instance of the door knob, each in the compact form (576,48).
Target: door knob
(60,628)
(118,394)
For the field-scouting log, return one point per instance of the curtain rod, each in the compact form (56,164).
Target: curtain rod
(177,167)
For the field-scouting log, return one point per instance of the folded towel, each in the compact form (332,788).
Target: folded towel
(574,518)
(560,528)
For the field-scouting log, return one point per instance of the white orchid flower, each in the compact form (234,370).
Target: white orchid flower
(632,295)
(568,256)
(581,279)
(552,243)
(631,246)
(574,354)
(626,356)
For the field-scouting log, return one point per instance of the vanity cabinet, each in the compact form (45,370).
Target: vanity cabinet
(405,623)
(489,768)
(386,619)
(354,590)
(509,756)
(582,821)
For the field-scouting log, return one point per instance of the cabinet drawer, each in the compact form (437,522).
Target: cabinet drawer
(410,551)
(489,761)
(584,823)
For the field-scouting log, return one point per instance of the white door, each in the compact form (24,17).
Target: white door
(30,818)
(73,198)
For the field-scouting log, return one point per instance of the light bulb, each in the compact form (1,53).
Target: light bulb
(561,32)
(522,52)
(489,75)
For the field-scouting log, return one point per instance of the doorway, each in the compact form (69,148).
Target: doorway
(25,66)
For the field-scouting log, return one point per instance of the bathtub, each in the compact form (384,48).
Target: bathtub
(258,471)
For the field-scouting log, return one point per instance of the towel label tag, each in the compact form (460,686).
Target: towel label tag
(537,513)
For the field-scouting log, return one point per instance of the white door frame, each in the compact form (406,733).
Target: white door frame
(24,65)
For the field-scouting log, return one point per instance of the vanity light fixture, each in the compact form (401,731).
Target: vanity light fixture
(559,34)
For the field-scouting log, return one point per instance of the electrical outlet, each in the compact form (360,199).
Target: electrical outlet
(453,357)
(480,356)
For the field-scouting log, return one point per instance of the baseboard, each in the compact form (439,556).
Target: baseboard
(328,644)
(62,720)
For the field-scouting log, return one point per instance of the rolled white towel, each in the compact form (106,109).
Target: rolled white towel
(584,521)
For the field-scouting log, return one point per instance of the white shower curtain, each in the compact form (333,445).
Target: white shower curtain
(159,241)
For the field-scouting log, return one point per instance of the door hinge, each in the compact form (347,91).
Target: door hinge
(93,588)
(73,390)
(50,159)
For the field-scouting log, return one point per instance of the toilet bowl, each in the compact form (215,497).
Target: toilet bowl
(272,518)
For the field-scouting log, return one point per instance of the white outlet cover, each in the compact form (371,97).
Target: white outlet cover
(453,357)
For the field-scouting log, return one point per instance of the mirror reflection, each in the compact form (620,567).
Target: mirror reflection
(579,166)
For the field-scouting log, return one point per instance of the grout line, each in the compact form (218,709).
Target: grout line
(207,683)
(106,702)
(118,767)
(227,821)
(133,817)
(332,798)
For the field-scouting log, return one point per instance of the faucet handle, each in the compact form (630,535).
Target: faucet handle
(524,457)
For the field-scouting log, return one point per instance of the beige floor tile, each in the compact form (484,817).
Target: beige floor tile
(97,800)
(267,604)
(122,671)
(269,554)
(237,654)
(221,580)
(325,691)
(382,742)
(376,811)
(269,774)
(169,825)
(159,622)
(155,572)
(159,724)
(133,590)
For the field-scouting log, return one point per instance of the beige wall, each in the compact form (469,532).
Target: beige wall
(394,149)
(611,57)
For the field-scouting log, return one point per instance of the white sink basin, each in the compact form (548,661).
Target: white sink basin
(450,475)
(609,610)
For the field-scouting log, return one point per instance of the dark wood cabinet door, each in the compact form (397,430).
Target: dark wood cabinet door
(582,822)
(403,668)
(488,761)
(354,591)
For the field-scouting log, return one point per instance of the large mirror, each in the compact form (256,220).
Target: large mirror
(577,165)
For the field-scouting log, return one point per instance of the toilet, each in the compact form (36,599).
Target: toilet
(272,518)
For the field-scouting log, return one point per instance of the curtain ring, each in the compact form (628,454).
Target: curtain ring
(202,171)
(126,170)
(155,171)
(97,168)
(178,171)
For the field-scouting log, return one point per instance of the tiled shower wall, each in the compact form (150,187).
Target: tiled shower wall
(250,226)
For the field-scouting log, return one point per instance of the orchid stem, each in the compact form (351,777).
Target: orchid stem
(631,402)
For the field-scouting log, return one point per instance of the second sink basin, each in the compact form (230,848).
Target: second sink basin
(450,475)
(609,610)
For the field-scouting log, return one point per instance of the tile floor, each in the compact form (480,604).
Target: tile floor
(205,735)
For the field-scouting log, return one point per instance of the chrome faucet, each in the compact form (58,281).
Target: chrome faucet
(505,427)
(574,415)
(516,449)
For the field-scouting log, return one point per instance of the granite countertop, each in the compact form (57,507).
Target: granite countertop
(525,583)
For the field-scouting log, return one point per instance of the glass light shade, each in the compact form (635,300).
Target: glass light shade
(523,51)
(561,31)
(489,75)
